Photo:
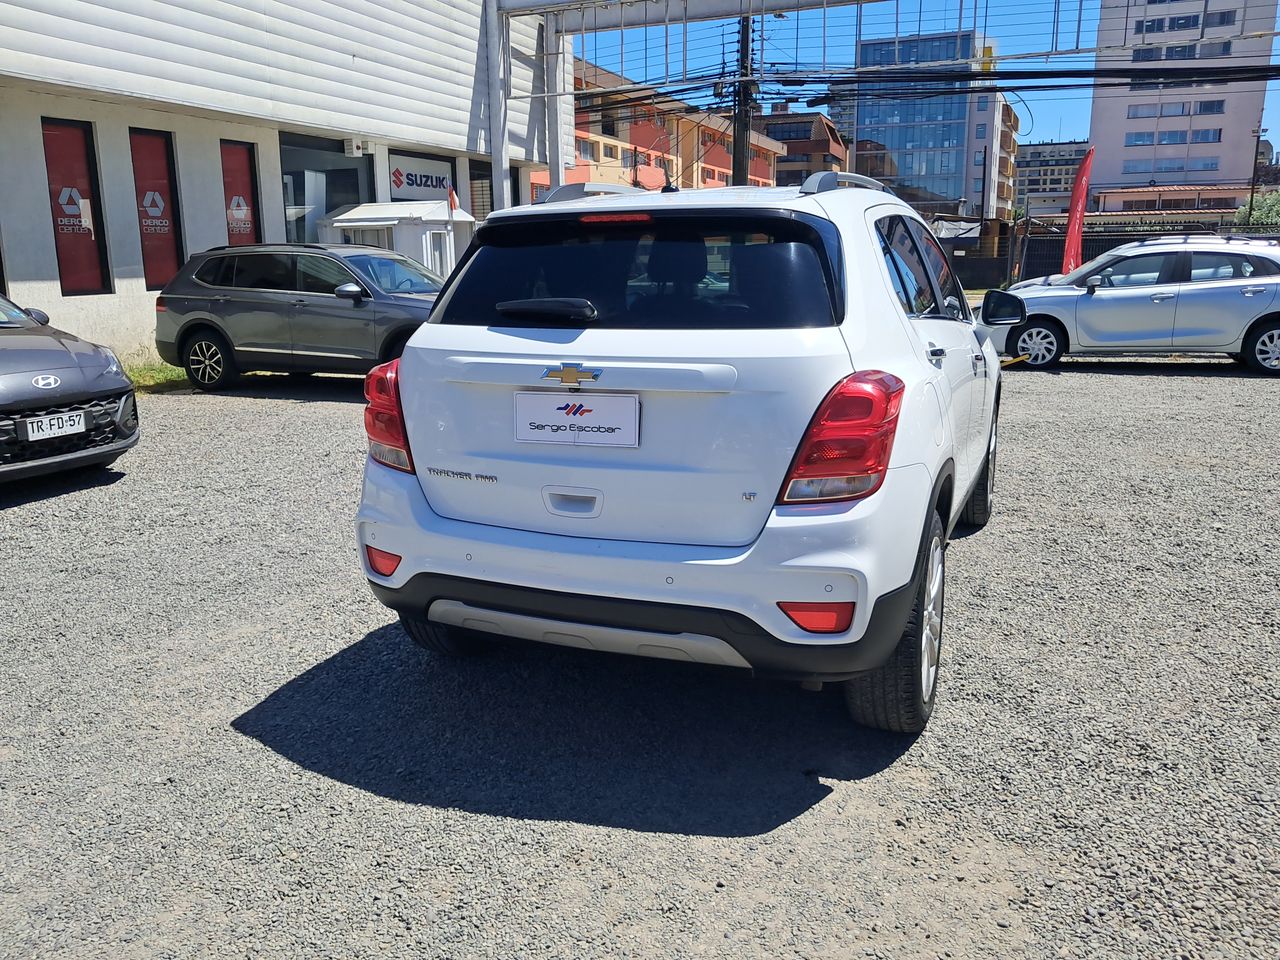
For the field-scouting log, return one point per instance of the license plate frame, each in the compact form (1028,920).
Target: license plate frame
(54,425)
(578,419)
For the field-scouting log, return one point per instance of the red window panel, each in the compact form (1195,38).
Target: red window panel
(240,190)
(157,201)
(74,203)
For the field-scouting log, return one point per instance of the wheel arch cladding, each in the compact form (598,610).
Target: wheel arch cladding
(944,489)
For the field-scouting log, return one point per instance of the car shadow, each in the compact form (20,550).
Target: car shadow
(543,733)
(317,388)
(17,493)
(1163,367)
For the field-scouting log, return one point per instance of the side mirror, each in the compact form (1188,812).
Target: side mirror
(1000,308)
(1092,284)
(352,291)
(39,316)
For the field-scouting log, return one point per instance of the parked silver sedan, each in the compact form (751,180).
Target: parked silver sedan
(1184,294)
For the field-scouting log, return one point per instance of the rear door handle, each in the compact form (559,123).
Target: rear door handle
(1157,297)
(220,299)
(1250,291)
(297,303)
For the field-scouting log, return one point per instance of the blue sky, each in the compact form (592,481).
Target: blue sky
(1016,26)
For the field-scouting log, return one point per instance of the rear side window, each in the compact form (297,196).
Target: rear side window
(665,273)
(1220,266)
(1265,267)
(216,271)
(264,271)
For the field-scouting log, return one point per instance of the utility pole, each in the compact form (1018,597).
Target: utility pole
(1253,180)
(743,101)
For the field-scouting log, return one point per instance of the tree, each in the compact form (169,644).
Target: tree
(1266,210)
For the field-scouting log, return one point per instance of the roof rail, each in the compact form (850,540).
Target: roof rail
(250,246)
(831,180)
(577,191)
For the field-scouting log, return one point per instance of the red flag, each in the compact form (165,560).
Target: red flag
(453,198)
(1071,256)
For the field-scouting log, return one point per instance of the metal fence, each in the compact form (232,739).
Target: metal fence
(1042,252)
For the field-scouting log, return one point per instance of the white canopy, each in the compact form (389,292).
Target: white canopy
(364,215)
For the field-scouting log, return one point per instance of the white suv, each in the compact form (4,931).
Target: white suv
(728,426)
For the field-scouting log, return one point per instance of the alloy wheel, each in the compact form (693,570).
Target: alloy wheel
(931,621)
(206,361)
(1267,350)
(1039,346)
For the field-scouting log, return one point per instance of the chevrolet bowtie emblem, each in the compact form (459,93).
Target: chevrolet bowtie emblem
(570,374)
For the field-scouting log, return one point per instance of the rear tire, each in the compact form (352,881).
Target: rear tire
(977,511)
(209,362)
(1262,348)
(899,696)
(441,639)
(1042,342)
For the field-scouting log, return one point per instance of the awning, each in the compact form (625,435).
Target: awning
(389,214)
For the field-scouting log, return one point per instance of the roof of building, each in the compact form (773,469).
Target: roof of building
(1174,188)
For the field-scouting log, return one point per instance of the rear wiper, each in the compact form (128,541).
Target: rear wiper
(568,308)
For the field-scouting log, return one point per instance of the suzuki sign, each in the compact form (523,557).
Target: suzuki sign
(413,178)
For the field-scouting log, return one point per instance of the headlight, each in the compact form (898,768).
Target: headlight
(113,364)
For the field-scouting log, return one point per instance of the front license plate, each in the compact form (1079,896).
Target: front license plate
(55,425)
(593,419)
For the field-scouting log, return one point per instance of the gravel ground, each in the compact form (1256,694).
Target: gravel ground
(213,742)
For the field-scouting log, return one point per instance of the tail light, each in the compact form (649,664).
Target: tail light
(160,305)
(381,562)
(384,418)
(819,617)
(845,452)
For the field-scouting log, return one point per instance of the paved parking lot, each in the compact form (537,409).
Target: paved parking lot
(213,742)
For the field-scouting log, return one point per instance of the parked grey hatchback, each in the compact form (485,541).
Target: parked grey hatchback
(295,307)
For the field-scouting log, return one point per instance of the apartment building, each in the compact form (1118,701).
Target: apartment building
(649,140)
(1157,134)
(813,143)
(139,132)
(1046,172)
(944,153)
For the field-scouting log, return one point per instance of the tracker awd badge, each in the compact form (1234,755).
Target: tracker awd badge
(571,374)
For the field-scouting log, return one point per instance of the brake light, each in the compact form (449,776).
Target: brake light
(160,307)
(382,563)
(615,218)
(384,417)
(845,452)
(819,617)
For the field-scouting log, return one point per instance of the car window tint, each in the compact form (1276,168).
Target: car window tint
(1265,266)
(1135,271)
(1220,266)
(895,271)
(953,301)
(700,272)
(911,266)
(395,274)
(12,315)
(216,271)
(321,275)
(264,271)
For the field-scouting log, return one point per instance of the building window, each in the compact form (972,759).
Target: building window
(1181,51)
(1215,48)
(1202,163)
(610,152)
(1149,26)
(984,103)
(1142,54)
(1175,109)
(1211,106)
(240,193)
(1189,21)
(1136,166)
(156,197)
(1220,18)
(1140,138)
(1169,165)
(1140,111)
(979,157)
(1138,205)
(981,131)
(584,150)
(977,185)
(72,171)
(1207,135)
(1170,137)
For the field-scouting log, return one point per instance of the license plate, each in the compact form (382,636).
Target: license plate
(589,419)
(55,425)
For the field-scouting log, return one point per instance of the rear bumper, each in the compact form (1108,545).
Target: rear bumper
(169,352)
(755,646)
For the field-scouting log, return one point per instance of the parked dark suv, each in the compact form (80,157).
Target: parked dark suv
(297,307)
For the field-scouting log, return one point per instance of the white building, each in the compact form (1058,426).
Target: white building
(1046,172)
(136,132)
(1150,134)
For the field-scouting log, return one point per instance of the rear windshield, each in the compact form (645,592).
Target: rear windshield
(670,273)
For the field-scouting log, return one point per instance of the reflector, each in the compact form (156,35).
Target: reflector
(819,617)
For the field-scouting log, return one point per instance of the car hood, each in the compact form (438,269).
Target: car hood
(27,353)
(423,301)
(1035,282)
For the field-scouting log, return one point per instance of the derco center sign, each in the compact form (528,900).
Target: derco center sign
(413,178)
